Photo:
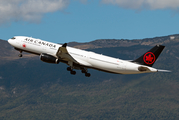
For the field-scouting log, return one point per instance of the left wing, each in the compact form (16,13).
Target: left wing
(63,54)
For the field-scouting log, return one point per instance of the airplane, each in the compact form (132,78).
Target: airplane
(83,60)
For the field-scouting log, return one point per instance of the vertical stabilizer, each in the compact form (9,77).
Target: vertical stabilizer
(150,57)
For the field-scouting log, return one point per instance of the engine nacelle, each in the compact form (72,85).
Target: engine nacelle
(49,58)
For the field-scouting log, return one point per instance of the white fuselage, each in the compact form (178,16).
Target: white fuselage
(84,58)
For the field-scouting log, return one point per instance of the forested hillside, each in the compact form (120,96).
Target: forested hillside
(31,89)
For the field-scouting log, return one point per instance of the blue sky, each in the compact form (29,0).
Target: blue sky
(87,20)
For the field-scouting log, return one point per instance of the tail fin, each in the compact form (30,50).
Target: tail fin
(150,57)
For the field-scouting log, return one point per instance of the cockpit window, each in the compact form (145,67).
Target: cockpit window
(13,38)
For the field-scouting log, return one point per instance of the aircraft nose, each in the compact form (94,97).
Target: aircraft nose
(9,41)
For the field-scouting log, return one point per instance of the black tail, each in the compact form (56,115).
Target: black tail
(150,57)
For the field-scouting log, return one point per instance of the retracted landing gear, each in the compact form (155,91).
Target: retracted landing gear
(86,72)
(20,55)
(71,70)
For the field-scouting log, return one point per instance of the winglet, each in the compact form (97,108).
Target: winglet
(62,49)
(64,45)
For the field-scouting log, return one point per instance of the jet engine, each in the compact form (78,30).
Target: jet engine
(49,58)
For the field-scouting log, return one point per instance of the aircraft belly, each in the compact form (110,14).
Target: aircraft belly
(132,68)
(104,65)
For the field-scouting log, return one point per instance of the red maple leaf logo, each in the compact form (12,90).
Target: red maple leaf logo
(24,45)
(149,58)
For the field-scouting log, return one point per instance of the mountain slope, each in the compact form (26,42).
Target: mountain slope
(105,43)
(31,89)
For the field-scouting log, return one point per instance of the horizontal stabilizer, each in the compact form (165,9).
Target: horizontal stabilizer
(164,70)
